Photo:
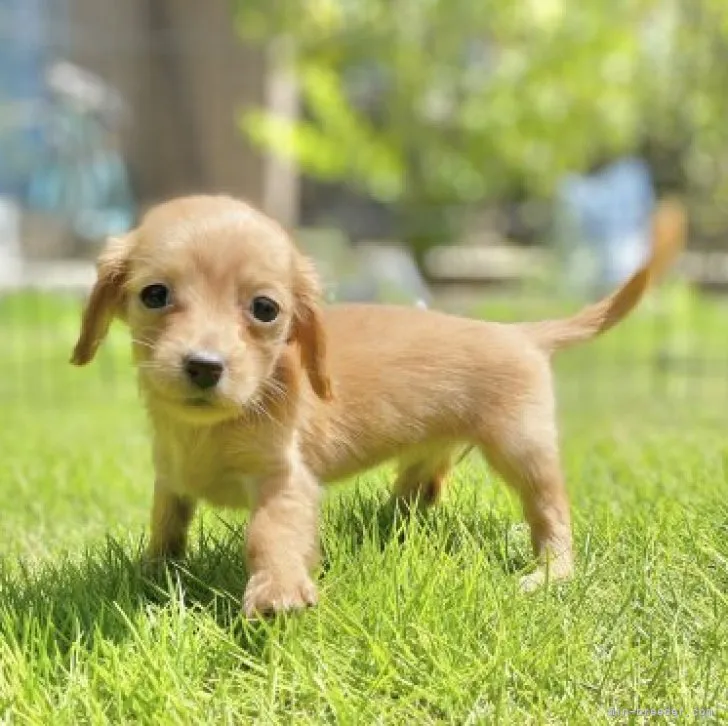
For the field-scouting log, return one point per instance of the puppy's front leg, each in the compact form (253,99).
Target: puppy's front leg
(282,544)
(170,521)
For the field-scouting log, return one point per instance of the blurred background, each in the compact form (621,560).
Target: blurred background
(491,159)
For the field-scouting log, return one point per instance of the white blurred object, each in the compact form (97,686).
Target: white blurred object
(484,262)
(395,274)
(86,89)
(11,262)
(367,272)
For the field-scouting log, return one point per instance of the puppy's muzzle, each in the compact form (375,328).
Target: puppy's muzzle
(203,369)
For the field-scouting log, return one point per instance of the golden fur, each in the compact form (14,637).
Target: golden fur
(321,393)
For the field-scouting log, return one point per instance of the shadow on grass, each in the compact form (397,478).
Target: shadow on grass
(62,605)
(65,604)
(371,518)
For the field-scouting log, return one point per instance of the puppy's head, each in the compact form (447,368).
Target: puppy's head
(215,295)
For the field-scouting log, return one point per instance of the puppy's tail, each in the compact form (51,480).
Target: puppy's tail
(669,225)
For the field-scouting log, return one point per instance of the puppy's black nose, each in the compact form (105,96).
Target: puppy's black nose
(204,369)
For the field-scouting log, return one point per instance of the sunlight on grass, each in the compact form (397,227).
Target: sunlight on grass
(419,619)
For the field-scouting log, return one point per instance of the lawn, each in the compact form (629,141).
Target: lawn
(420,621)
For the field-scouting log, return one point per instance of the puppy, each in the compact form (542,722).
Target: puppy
(257,395)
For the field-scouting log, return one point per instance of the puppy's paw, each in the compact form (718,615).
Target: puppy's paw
(534,581)
(154,561)
(266,594)
(531,583)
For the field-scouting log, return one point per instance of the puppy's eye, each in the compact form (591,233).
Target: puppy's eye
(264,309)
(155,296)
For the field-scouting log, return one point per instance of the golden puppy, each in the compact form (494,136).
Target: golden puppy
(256,394)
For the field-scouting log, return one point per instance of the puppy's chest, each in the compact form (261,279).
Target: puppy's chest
(214,470)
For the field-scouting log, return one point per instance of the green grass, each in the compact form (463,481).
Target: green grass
(419,621)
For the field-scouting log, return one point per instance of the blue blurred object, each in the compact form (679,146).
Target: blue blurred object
(83,176)
(60,151)
(23,33)
(603,223)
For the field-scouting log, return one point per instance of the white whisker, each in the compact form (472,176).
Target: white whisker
(144,343)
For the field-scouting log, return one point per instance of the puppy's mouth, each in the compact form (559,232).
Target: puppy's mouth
(176,397)
(209,400)
(189,403)
(200,402)
(199,409)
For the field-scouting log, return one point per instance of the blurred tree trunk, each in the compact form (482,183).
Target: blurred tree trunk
(186,75)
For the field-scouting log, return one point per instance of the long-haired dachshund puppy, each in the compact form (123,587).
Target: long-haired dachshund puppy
(257,394)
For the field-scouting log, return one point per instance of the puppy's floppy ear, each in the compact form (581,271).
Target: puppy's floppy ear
(308,329)
(105,299)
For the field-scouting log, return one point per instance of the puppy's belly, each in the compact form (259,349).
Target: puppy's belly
(231,489)
(344,463)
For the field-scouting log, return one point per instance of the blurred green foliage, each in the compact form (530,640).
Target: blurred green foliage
(437,103)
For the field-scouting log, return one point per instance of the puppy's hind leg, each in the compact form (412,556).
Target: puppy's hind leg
(523,449)
(421,477)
